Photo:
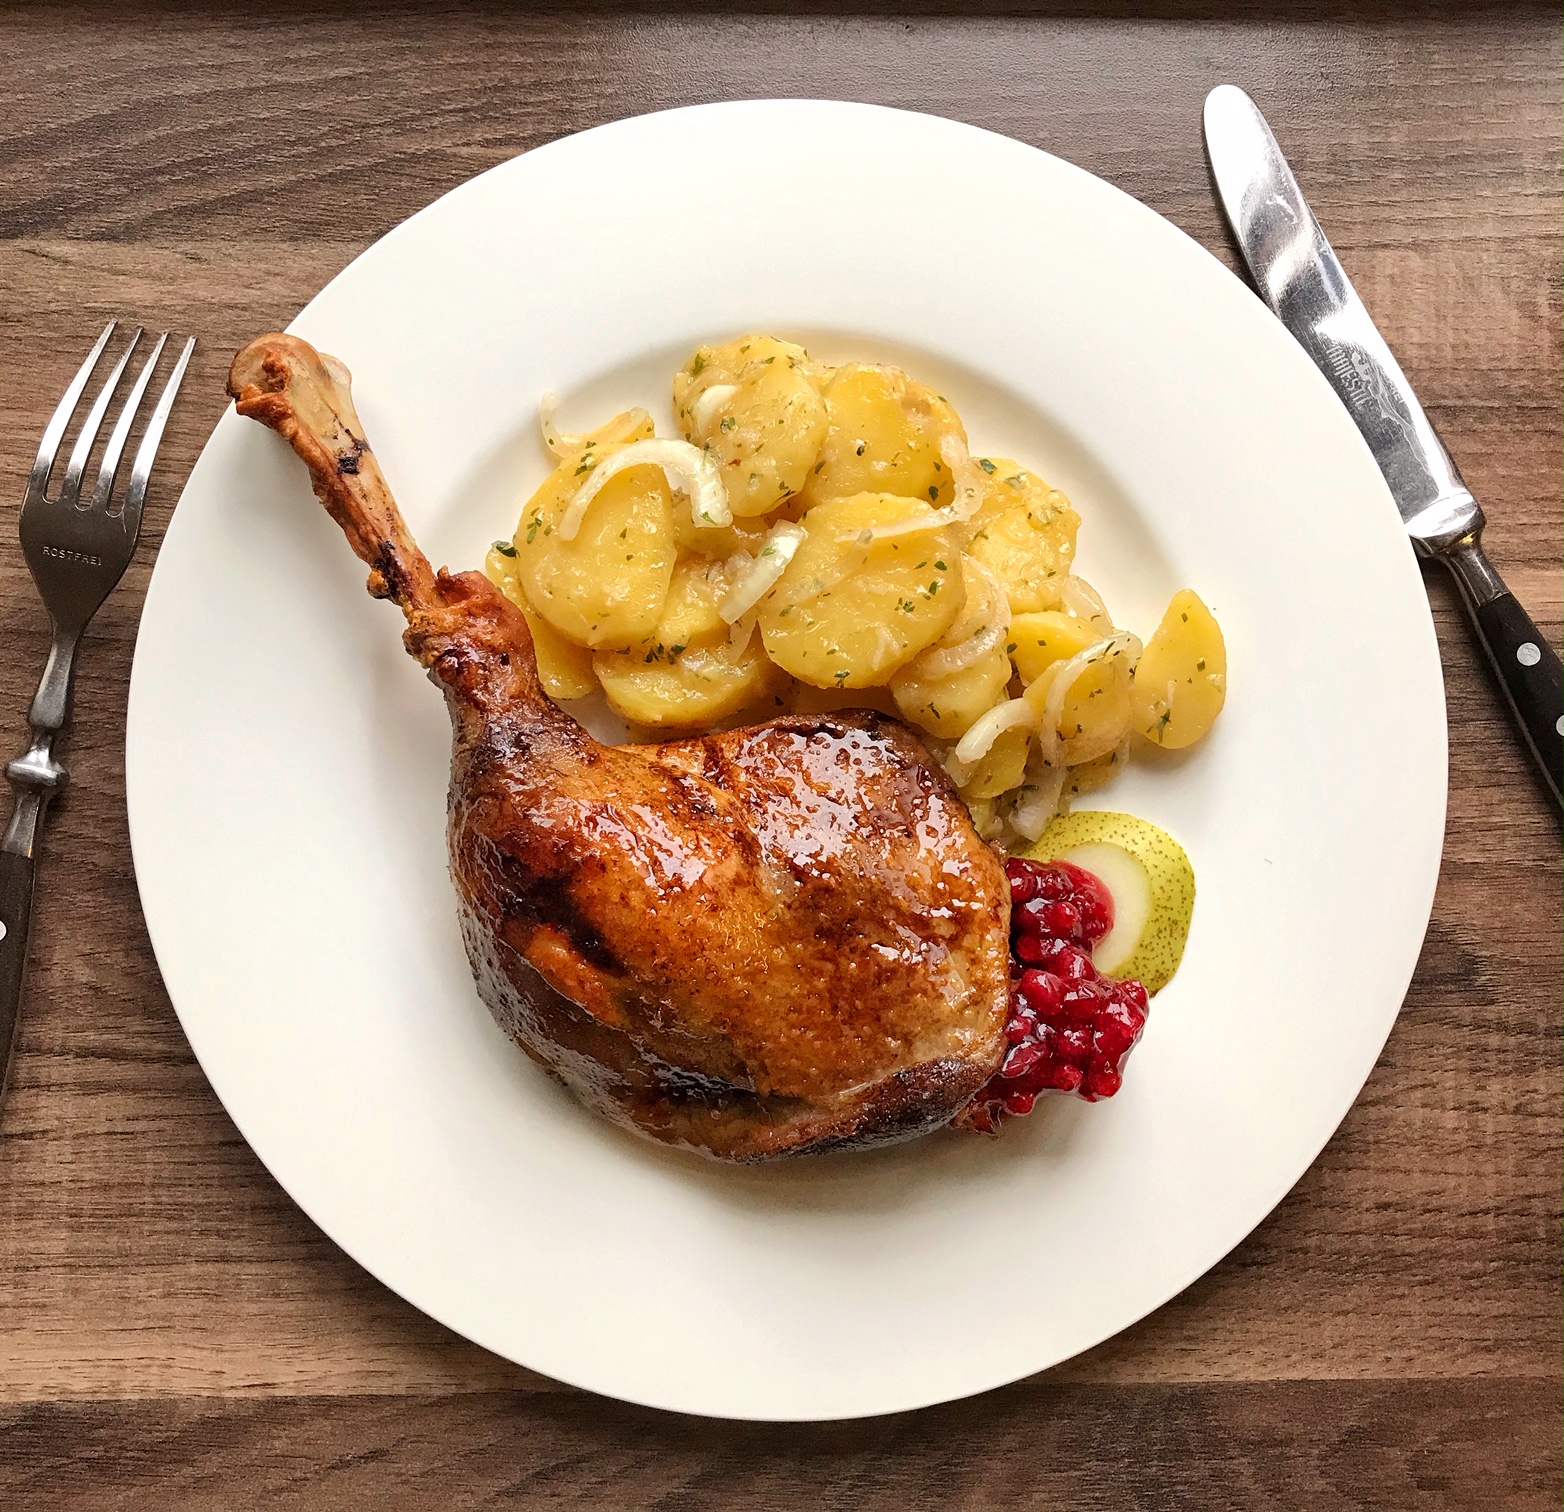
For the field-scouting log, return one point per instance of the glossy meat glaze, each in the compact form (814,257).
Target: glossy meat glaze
(775,939)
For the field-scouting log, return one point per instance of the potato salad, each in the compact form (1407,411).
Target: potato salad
(821,538)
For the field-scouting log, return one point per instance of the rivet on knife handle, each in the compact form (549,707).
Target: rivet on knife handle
(1299,276)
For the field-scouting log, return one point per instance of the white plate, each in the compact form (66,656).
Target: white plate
(286,763)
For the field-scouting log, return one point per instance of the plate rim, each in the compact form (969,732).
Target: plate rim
(136,773)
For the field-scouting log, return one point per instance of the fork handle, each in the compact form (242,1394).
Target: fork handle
(37,776)
(51,706)
(16,909)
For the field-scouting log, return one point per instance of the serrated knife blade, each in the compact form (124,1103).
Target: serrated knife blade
(1298,275)
(1300,278)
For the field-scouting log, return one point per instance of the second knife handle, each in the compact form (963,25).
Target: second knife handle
(1527,666)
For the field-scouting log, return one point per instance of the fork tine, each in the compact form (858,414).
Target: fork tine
(115,449)
(70,489)
(146,453)
(55,429)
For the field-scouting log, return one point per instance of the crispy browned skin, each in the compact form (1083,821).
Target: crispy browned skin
(776,939)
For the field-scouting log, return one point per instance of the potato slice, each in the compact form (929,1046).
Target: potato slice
(685,674)
(1038,641)
(499,566)
(1093,774)
(1024,534)
(690,614)
(1094,712)
(949,706)
(718,542)
(607,586)
(946,703)
(848,614)
(1096,717)
(985,818)
(1181,680)
(883,436)
(690,691)
(755,405)
(564,668)
(1002,767)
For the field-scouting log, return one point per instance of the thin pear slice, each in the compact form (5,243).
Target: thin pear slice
(1129,883)
(1151,881)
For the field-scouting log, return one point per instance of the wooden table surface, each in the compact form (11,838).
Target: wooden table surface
(174,1333)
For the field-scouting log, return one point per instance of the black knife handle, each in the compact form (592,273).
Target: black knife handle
(16,909)
(1527,666)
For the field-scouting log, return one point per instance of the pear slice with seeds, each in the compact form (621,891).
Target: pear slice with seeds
(1151,881)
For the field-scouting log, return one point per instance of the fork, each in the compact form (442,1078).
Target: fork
(76,552)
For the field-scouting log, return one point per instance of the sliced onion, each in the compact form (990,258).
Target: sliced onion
(710,401)
(886,647)
(710,661)
(563,444)
(989,822)
(1062,676)
(968,482)
(1033,810)
(957,770)
(1039,692)
(930,519)
(945,660)
(688,469)
(966,476)
(1084,601)
(975,744)
(760,577)
(846,565)
(739,634)
(555,439)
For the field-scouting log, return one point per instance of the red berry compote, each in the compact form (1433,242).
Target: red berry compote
(1070,1028)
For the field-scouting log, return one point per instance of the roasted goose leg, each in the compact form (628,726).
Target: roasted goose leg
(772,940)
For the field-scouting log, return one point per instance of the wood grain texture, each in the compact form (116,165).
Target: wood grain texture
(174,1333)
(1327,1446)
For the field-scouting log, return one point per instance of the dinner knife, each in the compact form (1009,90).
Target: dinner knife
(1299,276)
